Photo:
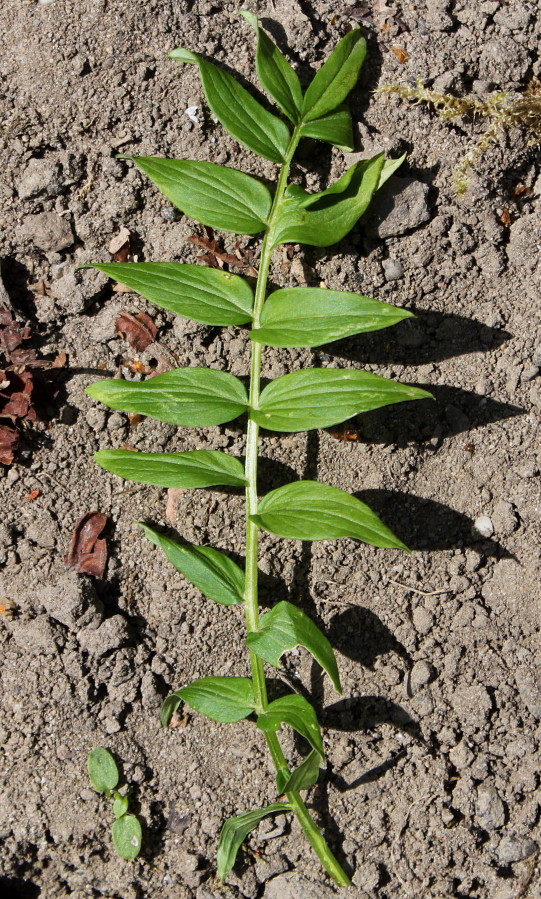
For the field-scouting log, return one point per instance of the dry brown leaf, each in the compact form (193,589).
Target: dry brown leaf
(119,241)
(139,330)
(87,553)
(9,441)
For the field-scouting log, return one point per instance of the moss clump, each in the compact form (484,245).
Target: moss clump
(502,111)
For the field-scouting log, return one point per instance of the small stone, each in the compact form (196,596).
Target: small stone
(170,214)
(88,795)
(423,620)
(110,635)
(529,373)
(116,422)
(515,849)
(48,231)
(96,418)
(41,177)
(504,518)
(294,886)
(421,675)
(392,269)
(472,704)
(76,290)
(489,808)
(482,527)
(72,600)
(528,681)
(112,725)
(402,207)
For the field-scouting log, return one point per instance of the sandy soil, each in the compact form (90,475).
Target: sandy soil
(432,784)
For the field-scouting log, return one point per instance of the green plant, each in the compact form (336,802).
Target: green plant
(126,829)
(230,200)
(500,109)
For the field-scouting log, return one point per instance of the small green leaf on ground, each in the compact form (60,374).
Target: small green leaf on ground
(102,770)
(235,830)
(127,836)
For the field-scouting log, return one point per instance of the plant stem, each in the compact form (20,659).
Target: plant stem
(251,603)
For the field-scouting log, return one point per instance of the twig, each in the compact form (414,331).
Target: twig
(416,590)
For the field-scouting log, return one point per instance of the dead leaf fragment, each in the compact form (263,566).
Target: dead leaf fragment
(174,495)
(87,554)
(9,441)
(400,53)
(138,330)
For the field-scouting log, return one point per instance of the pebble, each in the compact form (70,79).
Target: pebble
(392,269)
(515,849)
(483,527)
(116,422)
(489,807)
(402,206)
(76,291)
(48,231)
(423,620)
(72,600)
(294,886)
(41,178)
(421,675)
(112,634)
(170,214)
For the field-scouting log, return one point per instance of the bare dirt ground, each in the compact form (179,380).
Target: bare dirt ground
(432,784)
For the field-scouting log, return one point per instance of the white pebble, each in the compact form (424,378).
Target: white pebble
(483,526)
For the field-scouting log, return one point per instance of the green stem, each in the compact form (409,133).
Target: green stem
(251,602)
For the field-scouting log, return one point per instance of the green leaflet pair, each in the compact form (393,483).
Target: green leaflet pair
(229,200)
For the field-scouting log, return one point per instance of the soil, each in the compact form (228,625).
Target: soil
(432,782)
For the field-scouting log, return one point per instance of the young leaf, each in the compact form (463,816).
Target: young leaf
(240,113)
(285,627)
(389,168)
(192,468)
(310,316)
(319,397)
(217,576)
(211,194)
(102,770)
(193,397)
(206,295)
(127,836)
(225,699)
(297,712)
(308,510)
(304,776)
(120,805)
(335,128)
(274,72)
(324,218)
(336,77)
(235,831)
(169,707)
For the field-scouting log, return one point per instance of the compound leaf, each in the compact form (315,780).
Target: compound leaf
(304,776)
(335,128)
(235,831)
(320,397)
(212,194)
(336,77)
(102,769)
(240,113)
(308,510)
(297,712)
(326,217)
(206,295)
(225,699)
(208,569)
(192,468)
(193,397)
(274,72)
(287,626)
(127,836)
(310,316)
